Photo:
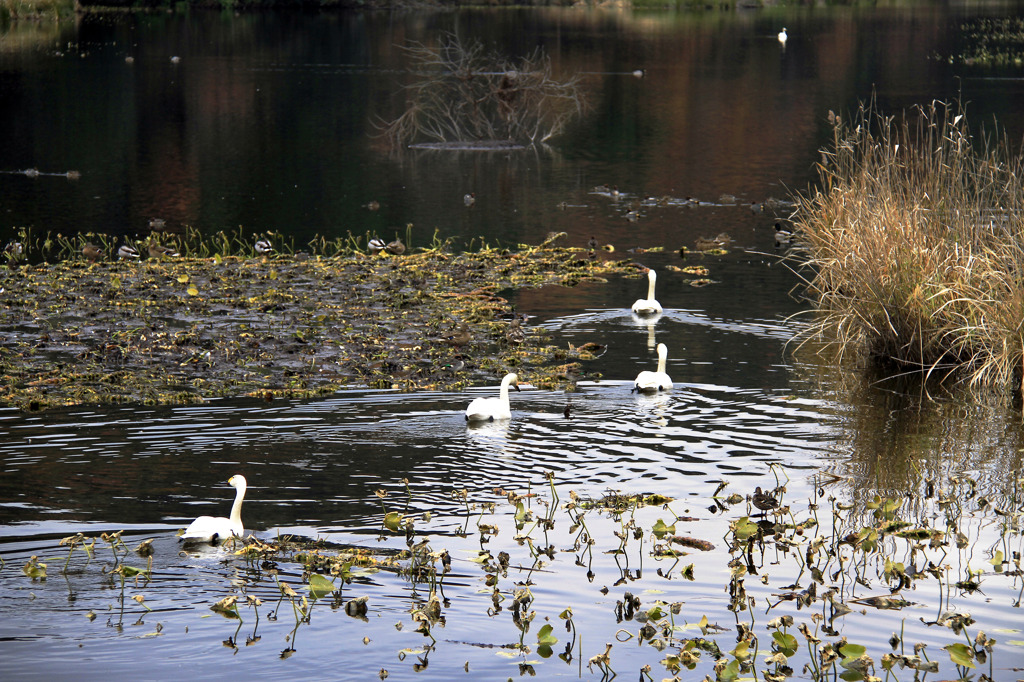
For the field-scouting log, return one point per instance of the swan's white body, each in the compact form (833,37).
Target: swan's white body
(216,528)
(652,382)
(489,409)
(783,36)
(649,305)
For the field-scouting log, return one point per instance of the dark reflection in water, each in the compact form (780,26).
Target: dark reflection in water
(317,464)
(267,120)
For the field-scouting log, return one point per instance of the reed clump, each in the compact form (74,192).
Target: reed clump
(915,242)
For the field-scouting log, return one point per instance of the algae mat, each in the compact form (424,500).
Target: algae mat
(178,331)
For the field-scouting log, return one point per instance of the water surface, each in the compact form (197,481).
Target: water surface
(266,121)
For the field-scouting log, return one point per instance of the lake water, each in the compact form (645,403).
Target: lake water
(266,122)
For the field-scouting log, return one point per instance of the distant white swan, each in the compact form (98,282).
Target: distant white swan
(489,409)
(649,305)
(783,37)
(652,382)
(216,528)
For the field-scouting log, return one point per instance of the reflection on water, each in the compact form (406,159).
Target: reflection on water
(268,121)
(722,114)
(315,469)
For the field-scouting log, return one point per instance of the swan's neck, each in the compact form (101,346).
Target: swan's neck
(236,507)
(662,357)
(650,287)
(503,393)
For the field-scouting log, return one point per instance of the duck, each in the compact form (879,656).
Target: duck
(766,502)
(706,244)
(217,528)
(158,252)
(632,215)
(263,246)
(157,224)
(649,305)
(376,245)
(92,252)
(461,337)
(396,248)
(469,199)
(14,250)
(653,382)
(782,235)
(783,36)
(592,243)
(373,205)
(515,334)
(124,252)
(490,409)
(639,73)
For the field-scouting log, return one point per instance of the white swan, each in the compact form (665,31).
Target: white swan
(652,382)
(649,305)
(783,36)
(216,528)
(489,409)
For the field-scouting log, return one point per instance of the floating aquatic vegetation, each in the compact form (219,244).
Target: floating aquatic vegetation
(992,41)
(181,329)
(794,573)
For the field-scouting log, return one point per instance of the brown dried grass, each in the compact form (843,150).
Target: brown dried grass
(915,245)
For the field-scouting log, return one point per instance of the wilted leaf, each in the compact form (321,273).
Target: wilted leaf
(785,643)
(961,654)
(661,529)
(392,520)
(545,638)
(319,586)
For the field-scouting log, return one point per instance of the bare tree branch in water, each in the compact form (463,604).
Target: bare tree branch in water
(465,95)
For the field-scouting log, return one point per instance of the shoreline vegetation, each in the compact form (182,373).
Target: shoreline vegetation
(178,330)
(56,9)
(914,246)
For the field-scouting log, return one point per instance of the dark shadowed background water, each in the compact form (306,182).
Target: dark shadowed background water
(267,122)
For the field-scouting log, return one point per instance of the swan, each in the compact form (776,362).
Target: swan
(489,409)
(783,36)
(216,528)
(652,382)
(649,305)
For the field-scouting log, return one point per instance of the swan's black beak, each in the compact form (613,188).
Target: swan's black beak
(516,386)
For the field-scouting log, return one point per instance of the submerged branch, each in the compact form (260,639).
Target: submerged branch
(464,95)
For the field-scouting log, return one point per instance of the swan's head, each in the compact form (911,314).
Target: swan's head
(662,350)
(651,275)
(511,379)
(237,481)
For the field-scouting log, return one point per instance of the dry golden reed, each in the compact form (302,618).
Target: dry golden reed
(915,245)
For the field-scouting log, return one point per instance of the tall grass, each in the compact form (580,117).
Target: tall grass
(915,242)
(36,9)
